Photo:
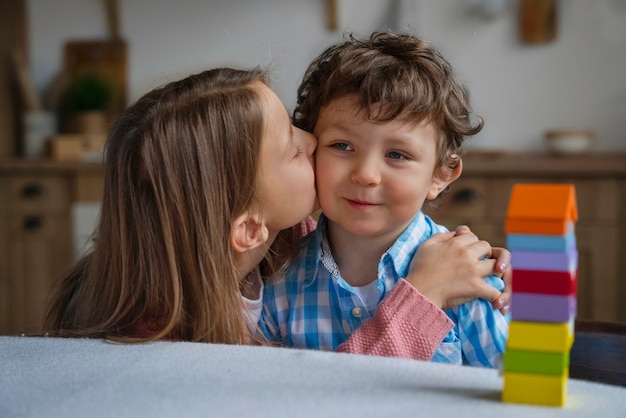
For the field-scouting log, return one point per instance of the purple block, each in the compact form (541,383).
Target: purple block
(545,260)
(542,308)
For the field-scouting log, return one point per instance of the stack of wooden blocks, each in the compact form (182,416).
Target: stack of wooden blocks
(541,237)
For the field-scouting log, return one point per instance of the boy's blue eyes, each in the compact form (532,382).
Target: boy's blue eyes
(394,155)
(342,146)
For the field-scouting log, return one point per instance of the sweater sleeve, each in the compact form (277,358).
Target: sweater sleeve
(406,324)
(307,225)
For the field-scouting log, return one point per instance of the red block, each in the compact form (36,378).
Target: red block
(545,282)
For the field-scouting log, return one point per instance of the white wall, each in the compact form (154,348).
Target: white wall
(577,81)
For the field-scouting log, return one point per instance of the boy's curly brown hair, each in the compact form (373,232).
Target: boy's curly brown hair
(393,75)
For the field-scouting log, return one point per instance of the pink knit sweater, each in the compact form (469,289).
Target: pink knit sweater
(406,325)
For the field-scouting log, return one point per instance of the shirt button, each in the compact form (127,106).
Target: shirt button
(357,312)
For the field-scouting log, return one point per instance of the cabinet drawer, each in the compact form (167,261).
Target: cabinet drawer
(35,194)
(40,251)
(467,199)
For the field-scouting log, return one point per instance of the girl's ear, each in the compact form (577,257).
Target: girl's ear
(442,179)
(247,232)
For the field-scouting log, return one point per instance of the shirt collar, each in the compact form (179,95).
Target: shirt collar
(399,255)
(313,251)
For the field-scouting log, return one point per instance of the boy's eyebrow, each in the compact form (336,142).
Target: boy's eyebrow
(345,131)
(399,139)
(406,144)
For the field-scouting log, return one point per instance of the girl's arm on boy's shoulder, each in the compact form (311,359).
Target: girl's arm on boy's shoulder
(406,324)
(307,225)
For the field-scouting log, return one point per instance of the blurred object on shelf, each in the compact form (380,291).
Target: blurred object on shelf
(28,93)
(13,36)
(97,61)
(113,18)
(38,126)
(489,9)
(77,147)
(332,15)
(86,104)
(569,141)
(537,21)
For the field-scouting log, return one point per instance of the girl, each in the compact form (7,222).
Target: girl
(201,177)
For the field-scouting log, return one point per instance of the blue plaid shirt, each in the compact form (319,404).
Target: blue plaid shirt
(309,306)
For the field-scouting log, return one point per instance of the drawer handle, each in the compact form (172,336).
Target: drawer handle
(32,223)
(466,196)
(32,191)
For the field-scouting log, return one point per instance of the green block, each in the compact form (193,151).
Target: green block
(536,362)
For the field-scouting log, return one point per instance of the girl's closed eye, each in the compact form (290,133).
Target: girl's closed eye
(299,151)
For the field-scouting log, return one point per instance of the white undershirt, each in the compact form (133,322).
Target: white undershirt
(369,295)
(254,307)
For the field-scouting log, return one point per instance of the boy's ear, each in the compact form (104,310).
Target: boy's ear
(442,179)
(247,232)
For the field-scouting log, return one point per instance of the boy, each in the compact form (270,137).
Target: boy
(390,118)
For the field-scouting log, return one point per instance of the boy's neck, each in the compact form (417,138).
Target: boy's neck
(357,257)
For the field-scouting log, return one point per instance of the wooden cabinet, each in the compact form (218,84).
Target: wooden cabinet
(36,234)
(480,199)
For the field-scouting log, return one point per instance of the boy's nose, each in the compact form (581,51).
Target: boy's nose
(365,173)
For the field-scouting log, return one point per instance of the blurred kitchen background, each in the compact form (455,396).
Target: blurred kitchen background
(576,80)
(536,69)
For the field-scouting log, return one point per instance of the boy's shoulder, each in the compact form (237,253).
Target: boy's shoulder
(433,225)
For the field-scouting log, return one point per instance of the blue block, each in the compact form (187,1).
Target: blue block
(540,242)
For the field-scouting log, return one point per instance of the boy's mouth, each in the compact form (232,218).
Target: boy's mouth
(360,204)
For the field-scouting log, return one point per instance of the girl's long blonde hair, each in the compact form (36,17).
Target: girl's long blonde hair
(180,164)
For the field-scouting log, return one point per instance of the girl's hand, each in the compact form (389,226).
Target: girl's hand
(449,269)
(502,269)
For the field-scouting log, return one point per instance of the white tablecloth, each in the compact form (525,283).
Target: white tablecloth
(50,377)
